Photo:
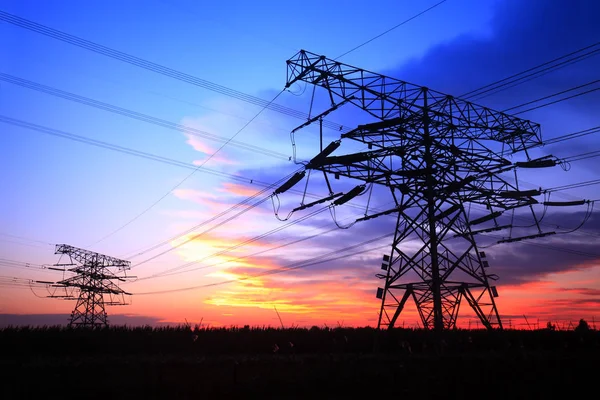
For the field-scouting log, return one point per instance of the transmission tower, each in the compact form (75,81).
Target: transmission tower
(438,156)
(93,281)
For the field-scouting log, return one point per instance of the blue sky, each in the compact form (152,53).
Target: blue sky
(60,191)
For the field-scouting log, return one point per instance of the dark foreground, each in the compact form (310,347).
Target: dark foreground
(180,363)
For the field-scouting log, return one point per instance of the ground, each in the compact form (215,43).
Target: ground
(179,363)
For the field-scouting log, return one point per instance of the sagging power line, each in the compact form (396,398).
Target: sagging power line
(533,72)
(154,67)
(207,159)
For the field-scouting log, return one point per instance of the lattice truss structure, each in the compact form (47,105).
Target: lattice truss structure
(92,286)
(438,155)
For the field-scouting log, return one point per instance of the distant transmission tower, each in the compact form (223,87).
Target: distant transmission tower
(93,280)
(438,155)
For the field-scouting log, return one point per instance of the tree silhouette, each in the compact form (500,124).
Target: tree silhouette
(583,326)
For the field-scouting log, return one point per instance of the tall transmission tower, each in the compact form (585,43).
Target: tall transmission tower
(94,280)
(437,155)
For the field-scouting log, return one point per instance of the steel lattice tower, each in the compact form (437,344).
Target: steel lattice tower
(437,154)
(94,280)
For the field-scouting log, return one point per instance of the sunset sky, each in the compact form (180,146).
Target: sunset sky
(58,189)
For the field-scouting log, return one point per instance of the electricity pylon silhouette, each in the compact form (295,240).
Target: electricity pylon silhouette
(438,155)
(94,280)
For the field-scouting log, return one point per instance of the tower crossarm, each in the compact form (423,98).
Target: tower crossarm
(464,173)
(92,273)
(86,257)
(396,102)
(92,288)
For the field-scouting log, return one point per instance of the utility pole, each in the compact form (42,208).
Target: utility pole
(437,155)
(94,281)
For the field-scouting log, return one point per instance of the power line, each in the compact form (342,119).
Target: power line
(583,156)
(539,75)
(523,76)
(136,115)
(290,267)
(191,263)
(25,238)
(21,243)
(573,135)
(280,228)
(187,177)
(319,260)
(557,101)
(197,236)
(541,222)
(296,241)
(14,282)
(121,149)
(302,239)
(171,271)
(391,29)
(242,203)
(574,185)
(553,95)
(21,263)
(296,265)
(153,157)
(147,155)
(552,247)
(154,67)
(26,266)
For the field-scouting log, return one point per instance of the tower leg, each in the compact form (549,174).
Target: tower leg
(460,272)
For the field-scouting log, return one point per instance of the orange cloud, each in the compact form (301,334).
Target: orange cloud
(217,250)
(330,298)
(237,189)
(562,296)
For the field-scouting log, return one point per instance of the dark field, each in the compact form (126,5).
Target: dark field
(178,363)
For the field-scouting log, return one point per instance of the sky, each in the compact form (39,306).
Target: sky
(59,188)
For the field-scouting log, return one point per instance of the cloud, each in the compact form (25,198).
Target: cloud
(214,154)
(237,189)
(252,137)
(214,203)
(556,296)
(199,144)
(514,262)
(185,214)
(582,291)
(194,195)
(216,247)
(531,259)
(215,159)
(327,298)
(521,35)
